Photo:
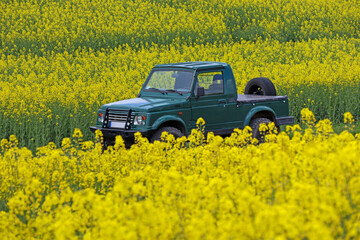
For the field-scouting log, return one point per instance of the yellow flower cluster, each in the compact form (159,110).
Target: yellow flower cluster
(299,184)
(308,117)
(349,121)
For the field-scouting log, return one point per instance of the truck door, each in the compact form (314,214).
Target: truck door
(212,106)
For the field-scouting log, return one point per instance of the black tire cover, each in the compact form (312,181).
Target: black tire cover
(260,86)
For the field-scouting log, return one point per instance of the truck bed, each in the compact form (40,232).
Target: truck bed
(250,98)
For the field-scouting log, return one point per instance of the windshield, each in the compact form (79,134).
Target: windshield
(170,81)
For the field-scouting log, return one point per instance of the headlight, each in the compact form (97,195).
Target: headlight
(100,117)
(139,120)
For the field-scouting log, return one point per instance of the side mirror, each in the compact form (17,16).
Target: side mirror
(200,91)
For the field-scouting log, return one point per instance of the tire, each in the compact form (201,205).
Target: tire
(255,125)
(171,130)
(260,86)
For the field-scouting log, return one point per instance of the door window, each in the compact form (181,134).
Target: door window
(212,82)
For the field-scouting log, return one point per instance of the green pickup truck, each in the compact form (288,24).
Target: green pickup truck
(175,95)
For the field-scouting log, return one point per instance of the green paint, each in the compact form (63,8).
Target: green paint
(165,100)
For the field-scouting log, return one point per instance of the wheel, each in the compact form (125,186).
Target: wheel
(255,125)
(171,130)
(260,86)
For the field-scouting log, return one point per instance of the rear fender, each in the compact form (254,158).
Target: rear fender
(260,109)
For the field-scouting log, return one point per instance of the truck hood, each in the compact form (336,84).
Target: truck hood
(148,104)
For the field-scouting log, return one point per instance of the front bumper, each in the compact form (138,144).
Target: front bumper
(127,135)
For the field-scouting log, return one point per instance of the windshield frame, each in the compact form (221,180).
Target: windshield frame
(163,91)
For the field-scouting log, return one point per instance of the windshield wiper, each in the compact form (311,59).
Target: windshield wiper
(173,90)
(156,89)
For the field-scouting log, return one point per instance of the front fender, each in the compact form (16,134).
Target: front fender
(167,118)
(255,110)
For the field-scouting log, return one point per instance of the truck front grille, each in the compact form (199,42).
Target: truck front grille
(118,118)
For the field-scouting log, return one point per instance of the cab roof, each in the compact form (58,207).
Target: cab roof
(194,65)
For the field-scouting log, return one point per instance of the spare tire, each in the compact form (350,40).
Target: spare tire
(260,86)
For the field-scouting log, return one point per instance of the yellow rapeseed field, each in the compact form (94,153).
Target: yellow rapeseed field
(60,60)
(45,97)
(299,184)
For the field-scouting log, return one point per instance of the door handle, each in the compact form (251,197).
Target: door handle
(222,101)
